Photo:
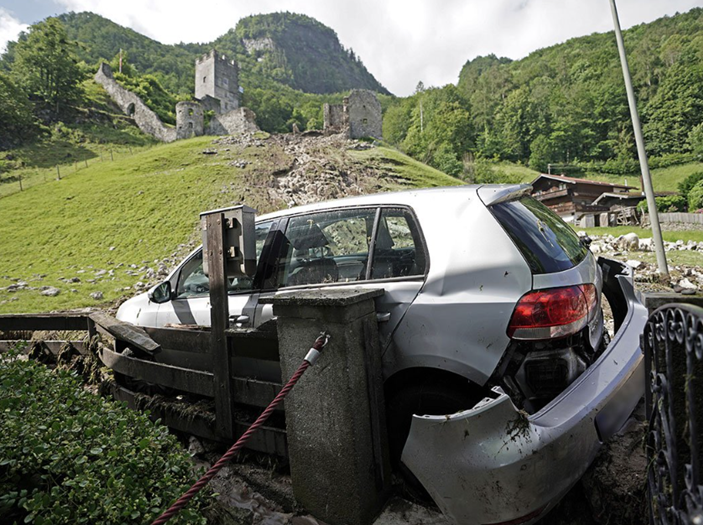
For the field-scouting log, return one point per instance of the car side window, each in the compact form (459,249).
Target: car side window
(399,251)
(193,282)
(326,247)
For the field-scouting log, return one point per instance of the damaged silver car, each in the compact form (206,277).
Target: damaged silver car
(501,381)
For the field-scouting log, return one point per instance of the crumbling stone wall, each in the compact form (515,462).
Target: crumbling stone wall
(210,104)
(364,113)
(217,76)
(240,120)
(189,120)
(359,116)
(132,105)
(190,116)
(335,118)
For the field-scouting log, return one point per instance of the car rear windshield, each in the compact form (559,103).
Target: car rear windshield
(547,243)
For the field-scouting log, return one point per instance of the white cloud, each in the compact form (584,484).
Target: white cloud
(399,41)
(10,27)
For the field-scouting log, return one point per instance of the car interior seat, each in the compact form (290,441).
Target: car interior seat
(311,251)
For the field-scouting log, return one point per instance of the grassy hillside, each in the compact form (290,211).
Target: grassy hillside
(107,224)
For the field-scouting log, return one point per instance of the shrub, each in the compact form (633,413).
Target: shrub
(668,204)
(686,185)
(695,197)
(67,456)
(671,159)
(444,159)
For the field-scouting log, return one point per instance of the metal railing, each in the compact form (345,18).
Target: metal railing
(673,347)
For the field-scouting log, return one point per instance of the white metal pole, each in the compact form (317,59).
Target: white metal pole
(641,153)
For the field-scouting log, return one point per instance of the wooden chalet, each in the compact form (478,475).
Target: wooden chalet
(572,198)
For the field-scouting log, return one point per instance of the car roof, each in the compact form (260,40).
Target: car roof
(489,193)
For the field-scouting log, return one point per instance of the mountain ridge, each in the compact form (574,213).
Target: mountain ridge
(295,38)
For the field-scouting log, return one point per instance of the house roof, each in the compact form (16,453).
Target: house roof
(619,196)
(572,180)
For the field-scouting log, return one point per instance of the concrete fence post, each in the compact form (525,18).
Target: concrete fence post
(335,416)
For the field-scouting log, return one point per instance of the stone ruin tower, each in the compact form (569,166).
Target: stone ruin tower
(190,120)
(217,82)
(359,116)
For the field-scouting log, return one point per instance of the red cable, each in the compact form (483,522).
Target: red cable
(192,491)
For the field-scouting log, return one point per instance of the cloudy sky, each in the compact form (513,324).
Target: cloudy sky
(399,41)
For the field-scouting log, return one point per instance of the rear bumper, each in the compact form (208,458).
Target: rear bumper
(494,463)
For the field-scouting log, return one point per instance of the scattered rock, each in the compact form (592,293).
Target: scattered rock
(98,296)
(50,291)
(634,264)
(194,446)
(685,284)
(239,163)
(628,242)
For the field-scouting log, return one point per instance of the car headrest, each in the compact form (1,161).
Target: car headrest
(309,236)
(384,241)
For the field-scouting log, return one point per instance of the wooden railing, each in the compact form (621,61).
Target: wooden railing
(179,363)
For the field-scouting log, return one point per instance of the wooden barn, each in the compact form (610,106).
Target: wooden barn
(572,198)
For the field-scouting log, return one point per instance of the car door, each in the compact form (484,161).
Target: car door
(191,297)
(369,247)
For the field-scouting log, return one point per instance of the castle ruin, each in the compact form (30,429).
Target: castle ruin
(358,116)
(216,90)
(217,82)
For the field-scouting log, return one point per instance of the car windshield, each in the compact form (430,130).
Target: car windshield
(547,242)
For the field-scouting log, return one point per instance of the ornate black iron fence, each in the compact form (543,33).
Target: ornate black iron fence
(673,347)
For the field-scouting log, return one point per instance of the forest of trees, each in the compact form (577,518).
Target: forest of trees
(565,104)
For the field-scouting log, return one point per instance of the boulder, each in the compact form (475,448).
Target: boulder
(628,242)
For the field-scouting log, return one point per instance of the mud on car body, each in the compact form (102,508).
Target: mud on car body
(500,380)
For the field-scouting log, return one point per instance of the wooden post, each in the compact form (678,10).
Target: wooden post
(58,173)
(111,156)
(20,176)
(130,149)
(86,162)
(219,322)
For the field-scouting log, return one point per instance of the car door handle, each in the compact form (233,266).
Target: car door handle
(383,317)
(239,319)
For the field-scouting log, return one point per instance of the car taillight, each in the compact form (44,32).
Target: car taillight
(555,312)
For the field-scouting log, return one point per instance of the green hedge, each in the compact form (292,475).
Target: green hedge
(686,185)
(668,204)
(68,456)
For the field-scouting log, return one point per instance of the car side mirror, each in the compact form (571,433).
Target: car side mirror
(586,240)
(161,293)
